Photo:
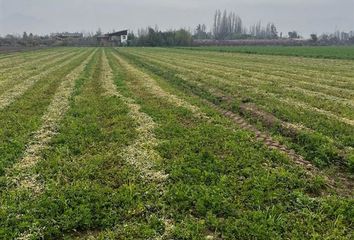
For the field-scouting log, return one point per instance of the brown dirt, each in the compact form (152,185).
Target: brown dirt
(265,137)
(337,180)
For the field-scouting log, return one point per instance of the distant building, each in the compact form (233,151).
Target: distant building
(66,36)
(114,39)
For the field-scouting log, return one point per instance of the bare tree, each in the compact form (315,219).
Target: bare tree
(226,26)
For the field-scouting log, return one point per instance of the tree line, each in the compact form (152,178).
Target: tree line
(153,37)
(229,26)
(226,26)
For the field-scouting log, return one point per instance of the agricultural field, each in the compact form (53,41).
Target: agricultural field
(163,143)
(331,52)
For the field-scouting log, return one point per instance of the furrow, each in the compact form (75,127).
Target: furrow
(234,78)
(16,60)
(245,125)
(265,138)
(318,110)
(12,78)
(19,175)
(141,153)
(271,143)
(284,65)
(210,66)
(18,90)
(288,101)
(30,62)
(151,85)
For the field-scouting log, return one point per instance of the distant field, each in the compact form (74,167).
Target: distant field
(331,52)
(155,143)
(6,50)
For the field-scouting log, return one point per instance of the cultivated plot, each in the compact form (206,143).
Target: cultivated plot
(149,143)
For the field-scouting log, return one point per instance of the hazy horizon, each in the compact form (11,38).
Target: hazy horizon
(44,17)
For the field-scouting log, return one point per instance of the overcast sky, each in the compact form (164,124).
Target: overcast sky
(46,16)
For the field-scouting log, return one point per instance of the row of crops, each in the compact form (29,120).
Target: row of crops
(103,143)
(330,52)
(307,103)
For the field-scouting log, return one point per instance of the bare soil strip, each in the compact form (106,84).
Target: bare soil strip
(19,174)
(18,90)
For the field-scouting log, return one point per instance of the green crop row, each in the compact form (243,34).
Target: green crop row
(322,143)
(218,180)
(23,116)
(26,57)
(332,52)
(87,185)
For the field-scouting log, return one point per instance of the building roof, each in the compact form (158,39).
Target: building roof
(120,33)
(69,35)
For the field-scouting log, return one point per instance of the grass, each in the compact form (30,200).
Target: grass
(329,52)
(139,155)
